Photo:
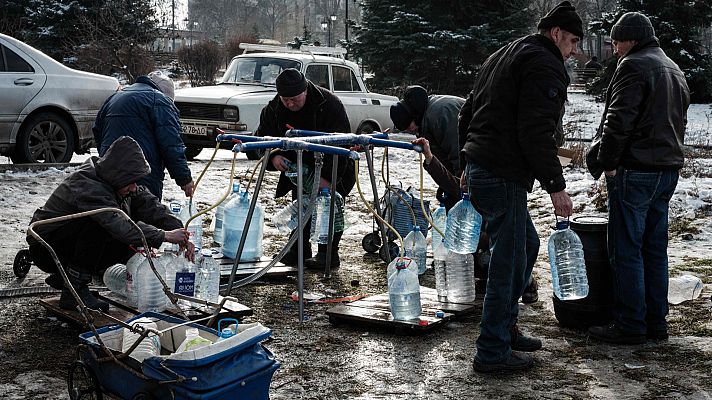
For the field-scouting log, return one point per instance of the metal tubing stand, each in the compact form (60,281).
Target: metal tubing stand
(376,202)
(332,224)
(300,240)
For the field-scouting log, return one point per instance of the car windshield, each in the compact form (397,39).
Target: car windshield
(259,70)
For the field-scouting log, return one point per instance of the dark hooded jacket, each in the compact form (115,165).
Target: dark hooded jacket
(643,124)
(509,120)
(322,112)
(142,112)
(94,185)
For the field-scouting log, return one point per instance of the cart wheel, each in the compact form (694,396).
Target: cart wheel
(21,265)
(82,383)
(395,251)
(371,242)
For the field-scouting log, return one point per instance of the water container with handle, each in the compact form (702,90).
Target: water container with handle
(235,216)
(229,330)
(150,290)
(415,247)
(568,268)
(462,231)
(439,218)
(131,277)
(408,262)
(220,214)
(404,293)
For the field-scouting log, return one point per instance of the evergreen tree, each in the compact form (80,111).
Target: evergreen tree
(678,25)
(422,42)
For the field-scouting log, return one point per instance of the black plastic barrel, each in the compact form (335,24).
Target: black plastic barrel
(596,308)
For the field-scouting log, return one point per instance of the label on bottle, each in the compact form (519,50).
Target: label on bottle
(185,283)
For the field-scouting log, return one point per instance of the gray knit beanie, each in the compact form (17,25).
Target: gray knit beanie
(164,83)
(632,26)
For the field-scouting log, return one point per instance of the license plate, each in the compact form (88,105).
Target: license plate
(197,130)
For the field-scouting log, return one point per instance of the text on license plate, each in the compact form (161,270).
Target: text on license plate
(197,130)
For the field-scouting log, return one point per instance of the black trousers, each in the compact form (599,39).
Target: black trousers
(82,245)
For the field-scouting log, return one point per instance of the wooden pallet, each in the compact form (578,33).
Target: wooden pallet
(374,311)
(244,269)
(119,309)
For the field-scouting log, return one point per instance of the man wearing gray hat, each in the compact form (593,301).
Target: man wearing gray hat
(638,147)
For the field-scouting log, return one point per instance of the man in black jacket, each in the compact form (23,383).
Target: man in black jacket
(507,132)
(638,146)
(300,104)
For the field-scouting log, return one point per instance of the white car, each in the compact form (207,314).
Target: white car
(235,103)
(46,108)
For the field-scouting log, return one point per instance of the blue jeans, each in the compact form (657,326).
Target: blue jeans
(637,247)
(514,245)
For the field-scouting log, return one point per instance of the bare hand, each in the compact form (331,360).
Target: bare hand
(189,251)
(188,189)
(426,147)
(280,163)
(178,236)
(610,173)
(563,206)
(463,182)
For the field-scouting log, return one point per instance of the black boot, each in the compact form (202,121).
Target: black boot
(80,281)
(531,292)
(319,261)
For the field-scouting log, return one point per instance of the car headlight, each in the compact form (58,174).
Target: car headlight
(231,114)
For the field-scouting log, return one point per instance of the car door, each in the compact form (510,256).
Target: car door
(21,79)
(359,106)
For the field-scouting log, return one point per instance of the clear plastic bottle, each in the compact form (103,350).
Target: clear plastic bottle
(462,231)
(404,293)
(440,267)
(307,176)
(286,219)
(131,277)
(220,214)
(193,340)
(439,218)
(115,279)
(235,217)
(460,277)
(415,247)
(150,289)
(568,268)
(175,208)
(408,262)
(320,216)
(209,278)
(150,346)
(683,288)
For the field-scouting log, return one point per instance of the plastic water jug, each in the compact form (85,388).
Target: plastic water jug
(404,293)
(208,280)
(150,290)
(415,247)
(193,340)
(439,265)
(228,331)
(439,218)
(320,216)
(235,217)
(460,277)
(131,277)
(115,279)
(150,346)
(220,214)
(683,288)
(462,231)
(175,208)
(286,219)
(307,176)
(408,262)
(568,268)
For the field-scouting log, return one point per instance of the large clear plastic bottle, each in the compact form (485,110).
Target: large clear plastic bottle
(408,262)
(175,208)
(235,217)
(460,277)
(150,290)
(307,176)
(683,288)
(415,247)
(209,278)
(462,231)
(115,279)
(568,268)
(220,214)
(440,267)
(131,277)
(439,218)
(150,346)
(404,293)
(286,219)
(320,216)
(195,227)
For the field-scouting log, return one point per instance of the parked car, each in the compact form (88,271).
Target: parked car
(46,108)
(235,103)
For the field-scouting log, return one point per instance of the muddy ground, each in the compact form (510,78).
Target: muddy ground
(322,361)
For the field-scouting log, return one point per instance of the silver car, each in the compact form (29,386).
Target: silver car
(46,109)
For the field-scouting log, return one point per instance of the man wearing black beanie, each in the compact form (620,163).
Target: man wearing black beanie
(638,146)
(300,104)
(506,133)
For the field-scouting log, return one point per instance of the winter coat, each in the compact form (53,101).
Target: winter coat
(322,112)
(142,112)
(643,124)
(94,185)
(508,122)
(439,126)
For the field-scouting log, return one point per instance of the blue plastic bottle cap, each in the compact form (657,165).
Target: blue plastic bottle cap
(440,313)
(562,225)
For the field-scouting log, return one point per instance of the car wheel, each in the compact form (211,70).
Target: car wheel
(366,128)
(192,151)
(44,137)
(254,154)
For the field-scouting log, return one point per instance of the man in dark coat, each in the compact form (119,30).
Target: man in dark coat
(90,244)
(302,105)
(508,141)
(639,147)
(145,112)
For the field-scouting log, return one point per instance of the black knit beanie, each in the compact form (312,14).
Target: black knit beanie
(565,17)
(401,116)
(290,83)
(632,26)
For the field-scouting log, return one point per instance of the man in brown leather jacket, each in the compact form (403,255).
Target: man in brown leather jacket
(638,146)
